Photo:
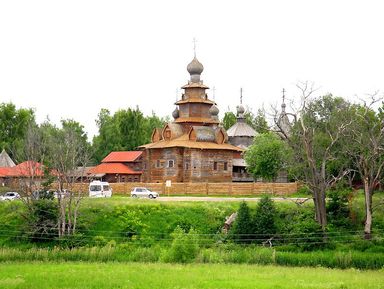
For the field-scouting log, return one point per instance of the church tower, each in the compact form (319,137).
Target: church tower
(194,107)
(192,148)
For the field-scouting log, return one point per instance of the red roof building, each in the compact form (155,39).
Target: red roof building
(26,169)
(124,166)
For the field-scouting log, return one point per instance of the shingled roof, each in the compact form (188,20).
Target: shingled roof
(113,168)
(241,129)
(184,141)
(122,157)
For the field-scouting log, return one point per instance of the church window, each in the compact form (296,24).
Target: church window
(171,163)
(225,166)
(215,166)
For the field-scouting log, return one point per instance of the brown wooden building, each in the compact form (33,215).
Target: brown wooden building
(192,148)
(241,135)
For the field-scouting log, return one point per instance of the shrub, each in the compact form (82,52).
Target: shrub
(184,248)
(42,217)
(337,208)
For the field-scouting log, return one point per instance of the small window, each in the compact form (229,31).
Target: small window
(225,166)
(215,166)
(158,164)
(187,166)
(171,163)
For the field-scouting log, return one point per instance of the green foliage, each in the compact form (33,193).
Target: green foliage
(337,208)
(184,247)
(318,131)
(13,127)
(264,219)
(228,120)
(125,130)
(42,220)
(266,156)
(242,229)
(260,124)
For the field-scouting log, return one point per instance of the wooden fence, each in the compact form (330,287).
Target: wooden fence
(201,189)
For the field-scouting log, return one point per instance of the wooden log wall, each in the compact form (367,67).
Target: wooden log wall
(203,189)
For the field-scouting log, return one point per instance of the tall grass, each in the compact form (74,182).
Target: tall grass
(217,255)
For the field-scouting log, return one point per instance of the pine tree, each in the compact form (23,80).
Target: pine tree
(242,228)
(264,219)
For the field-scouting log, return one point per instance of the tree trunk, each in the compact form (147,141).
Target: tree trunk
(320,209)
(368,210)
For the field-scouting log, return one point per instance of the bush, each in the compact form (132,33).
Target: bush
(184,248)
(337,208)
(41,225)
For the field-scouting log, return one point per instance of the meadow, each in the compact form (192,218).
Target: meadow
(79,275)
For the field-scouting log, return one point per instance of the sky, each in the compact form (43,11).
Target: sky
(69,59)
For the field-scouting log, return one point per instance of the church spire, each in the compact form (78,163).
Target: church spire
(195,68)
(283,106)
(240,108)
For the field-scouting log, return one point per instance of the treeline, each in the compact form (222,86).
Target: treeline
(124,130)
(326,143)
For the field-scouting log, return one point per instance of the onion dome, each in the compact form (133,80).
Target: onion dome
(195,68)
(175,113)
(240,110)
(214,111)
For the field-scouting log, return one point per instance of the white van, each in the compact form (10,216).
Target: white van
(98,189)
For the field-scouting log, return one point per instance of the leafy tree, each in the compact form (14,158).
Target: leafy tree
(125,130)
(228,120)
(13,127)
(364,145)
(242,230)
(266,156)
(260,123)
(315,140)
(264,219)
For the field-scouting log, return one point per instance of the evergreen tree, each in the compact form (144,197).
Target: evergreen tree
(264,219)
(242,228)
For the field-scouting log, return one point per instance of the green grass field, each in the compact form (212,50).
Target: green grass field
(140,275)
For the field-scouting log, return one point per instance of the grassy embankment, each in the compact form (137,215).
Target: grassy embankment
(140,275)
(122,229)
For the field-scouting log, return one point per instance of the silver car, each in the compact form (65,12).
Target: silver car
(143,192)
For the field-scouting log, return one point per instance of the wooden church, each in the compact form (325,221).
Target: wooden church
(194,147)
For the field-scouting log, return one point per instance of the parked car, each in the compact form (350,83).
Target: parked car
(143,192)
(63,194)
(98,189)
(10,196)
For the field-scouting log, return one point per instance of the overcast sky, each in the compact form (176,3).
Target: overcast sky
(69,59)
